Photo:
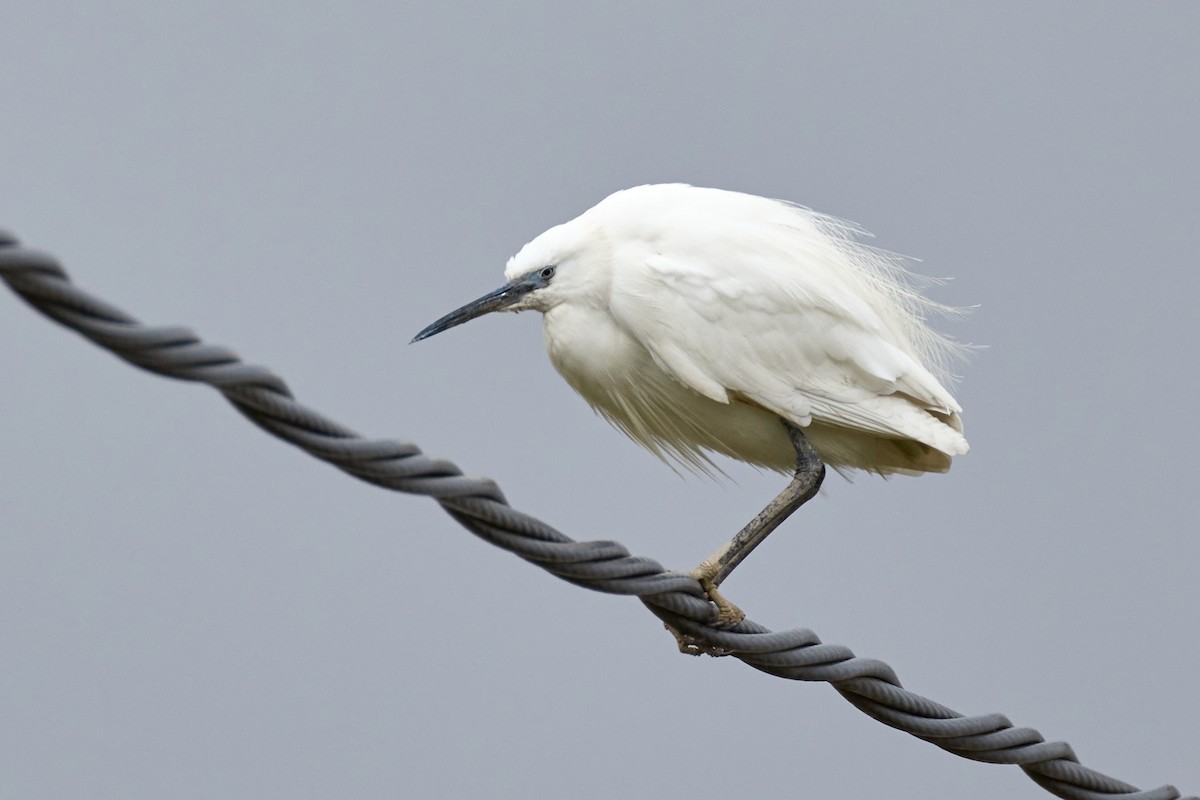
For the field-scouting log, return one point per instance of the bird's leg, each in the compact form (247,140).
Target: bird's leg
(806,480)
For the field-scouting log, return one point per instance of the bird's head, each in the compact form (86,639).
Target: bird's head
(569,262)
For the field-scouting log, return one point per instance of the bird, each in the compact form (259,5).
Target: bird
(704,322)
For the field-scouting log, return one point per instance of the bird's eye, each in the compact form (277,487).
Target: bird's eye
(547,273)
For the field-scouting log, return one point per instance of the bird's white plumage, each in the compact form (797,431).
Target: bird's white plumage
(693,319)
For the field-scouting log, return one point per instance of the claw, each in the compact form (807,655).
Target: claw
(691,646)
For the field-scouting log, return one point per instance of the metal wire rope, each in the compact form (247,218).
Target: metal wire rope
(606,566)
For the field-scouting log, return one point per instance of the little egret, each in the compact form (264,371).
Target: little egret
(702,321)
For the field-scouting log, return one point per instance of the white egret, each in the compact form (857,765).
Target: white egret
(701,321)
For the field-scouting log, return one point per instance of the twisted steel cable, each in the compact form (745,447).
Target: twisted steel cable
(606,566)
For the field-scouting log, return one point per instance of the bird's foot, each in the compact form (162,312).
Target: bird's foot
(728,615)
(691,646)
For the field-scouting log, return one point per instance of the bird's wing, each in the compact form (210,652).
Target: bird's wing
(801,348)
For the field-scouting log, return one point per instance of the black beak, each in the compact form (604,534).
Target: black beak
(499,300)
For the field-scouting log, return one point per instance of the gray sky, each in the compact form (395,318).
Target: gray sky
(190,609)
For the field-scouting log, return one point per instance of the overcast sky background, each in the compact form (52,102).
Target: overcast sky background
(191,609)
